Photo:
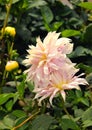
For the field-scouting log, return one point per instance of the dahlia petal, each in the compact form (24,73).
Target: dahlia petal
(39,43)
(44,97)
(46,70)
(51,36)
(63,94)
(53,95)
(64,45)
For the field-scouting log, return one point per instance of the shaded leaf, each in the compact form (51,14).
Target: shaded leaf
(42,122)
(19,113)
(19,121)
(78,112)
(86,68)
(15,1)
(47,14)
(89,77)
(87,115)
(78,93)
(81,51)
(87,36)
(67,123)
(36,3)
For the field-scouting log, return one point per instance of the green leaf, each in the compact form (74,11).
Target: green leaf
(23,32)
(89,78)
(87,115)
(21,89)
(42,122)
(9,122)
(47,14)
(30,86)
(87,36)
(78,93)
(15,1)
(36,3)
(81,51)
(9,105)
(87,123)
(25,4)
(85,101)
(2,15)
(3,126)
(16,96)
(74,21)
(56,25)
(67,123)
(86,5)
(19,121)
(70,32)
(86,68)
(4,97)
(19,113)
(78,112)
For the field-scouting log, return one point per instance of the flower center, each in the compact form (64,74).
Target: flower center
(44,57)
(59,85)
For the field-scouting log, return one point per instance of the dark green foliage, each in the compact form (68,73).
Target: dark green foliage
(33,18)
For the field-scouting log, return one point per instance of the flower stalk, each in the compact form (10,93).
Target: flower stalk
(8,7)
(4,72)
(25,121)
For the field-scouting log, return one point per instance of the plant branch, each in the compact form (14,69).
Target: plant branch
(7,16)
(16,127)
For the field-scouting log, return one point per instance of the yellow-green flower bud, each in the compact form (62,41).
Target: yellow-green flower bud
(10,30)
(11,65)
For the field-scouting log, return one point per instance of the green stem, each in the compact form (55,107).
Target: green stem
(10,51)
(19,18)
(64,108)
(6,19)
(15,80)
(3,46)
(3,81)
(43,108)
(16,127)
(66,111)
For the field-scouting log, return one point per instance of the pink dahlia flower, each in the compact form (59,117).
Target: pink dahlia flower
(59,82)
(50,69)
(46,57)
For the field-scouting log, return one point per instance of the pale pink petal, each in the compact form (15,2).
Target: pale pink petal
(64,45)
(39,43)
(44,97)
(53,95)
(63,94)
(51,36)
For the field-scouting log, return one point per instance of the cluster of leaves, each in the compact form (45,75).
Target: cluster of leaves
(37,17)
